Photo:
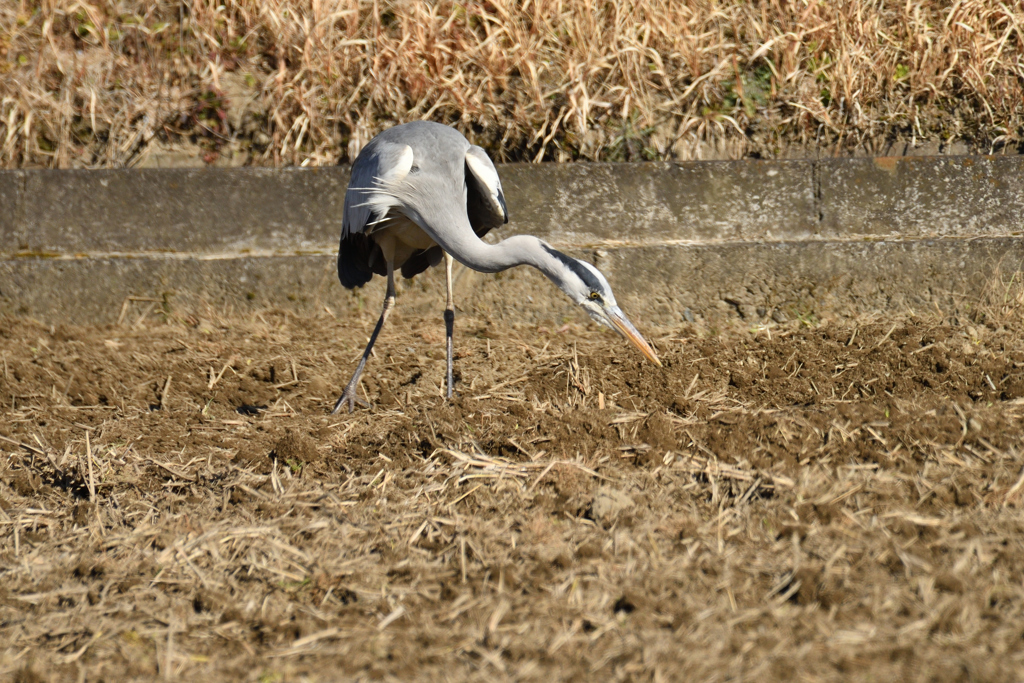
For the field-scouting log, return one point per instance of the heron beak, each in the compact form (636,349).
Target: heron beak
(621,323)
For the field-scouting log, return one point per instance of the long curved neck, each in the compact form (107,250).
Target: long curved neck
(467,248)
(517,250)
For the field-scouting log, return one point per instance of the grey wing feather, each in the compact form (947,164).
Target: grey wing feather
(359,257)
(375,163)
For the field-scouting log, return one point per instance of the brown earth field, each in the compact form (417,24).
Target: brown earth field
(830,501)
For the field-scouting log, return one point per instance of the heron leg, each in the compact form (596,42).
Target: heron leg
(449,318)
(349,395)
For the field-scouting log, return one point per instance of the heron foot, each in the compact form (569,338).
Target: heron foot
(349,396)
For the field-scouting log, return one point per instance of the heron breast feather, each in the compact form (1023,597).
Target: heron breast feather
(408,233)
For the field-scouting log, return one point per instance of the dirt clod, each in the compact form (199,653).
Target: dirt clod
(609,504)
(27,674)
(295,447)
(83,513)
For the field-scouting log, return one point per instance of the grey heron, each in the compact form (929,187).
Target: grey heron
(420,193)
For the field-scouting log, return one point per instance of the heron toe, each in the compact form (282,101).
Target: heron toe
(349,396)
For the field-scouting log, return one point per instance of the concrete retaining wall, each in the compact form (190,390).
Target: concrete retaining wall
(757,239)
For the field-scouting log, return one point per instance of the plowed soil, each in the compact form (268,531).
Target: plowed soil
(836,501)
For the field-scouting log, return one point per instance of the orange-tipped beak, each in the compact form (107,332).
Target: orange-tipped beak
(626,329)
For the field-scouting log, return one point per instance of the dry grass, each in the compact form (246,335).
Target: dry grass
(295,82)
(832,502)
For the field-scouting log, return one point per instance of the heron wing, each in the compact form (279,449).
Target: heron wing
(367,200)
(485,201)
(421,260)
(366,204)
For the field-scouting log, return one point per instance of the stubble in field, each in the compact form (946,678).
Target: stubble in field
(833,502)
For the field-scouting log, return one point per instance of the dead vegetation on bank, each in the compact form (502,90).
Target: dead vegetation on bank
(284,82)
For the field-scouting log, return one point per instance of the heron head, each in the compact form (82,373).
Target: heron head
(587,286)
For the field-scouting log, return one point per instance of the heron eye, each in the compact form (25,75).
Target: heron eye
(595,296)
